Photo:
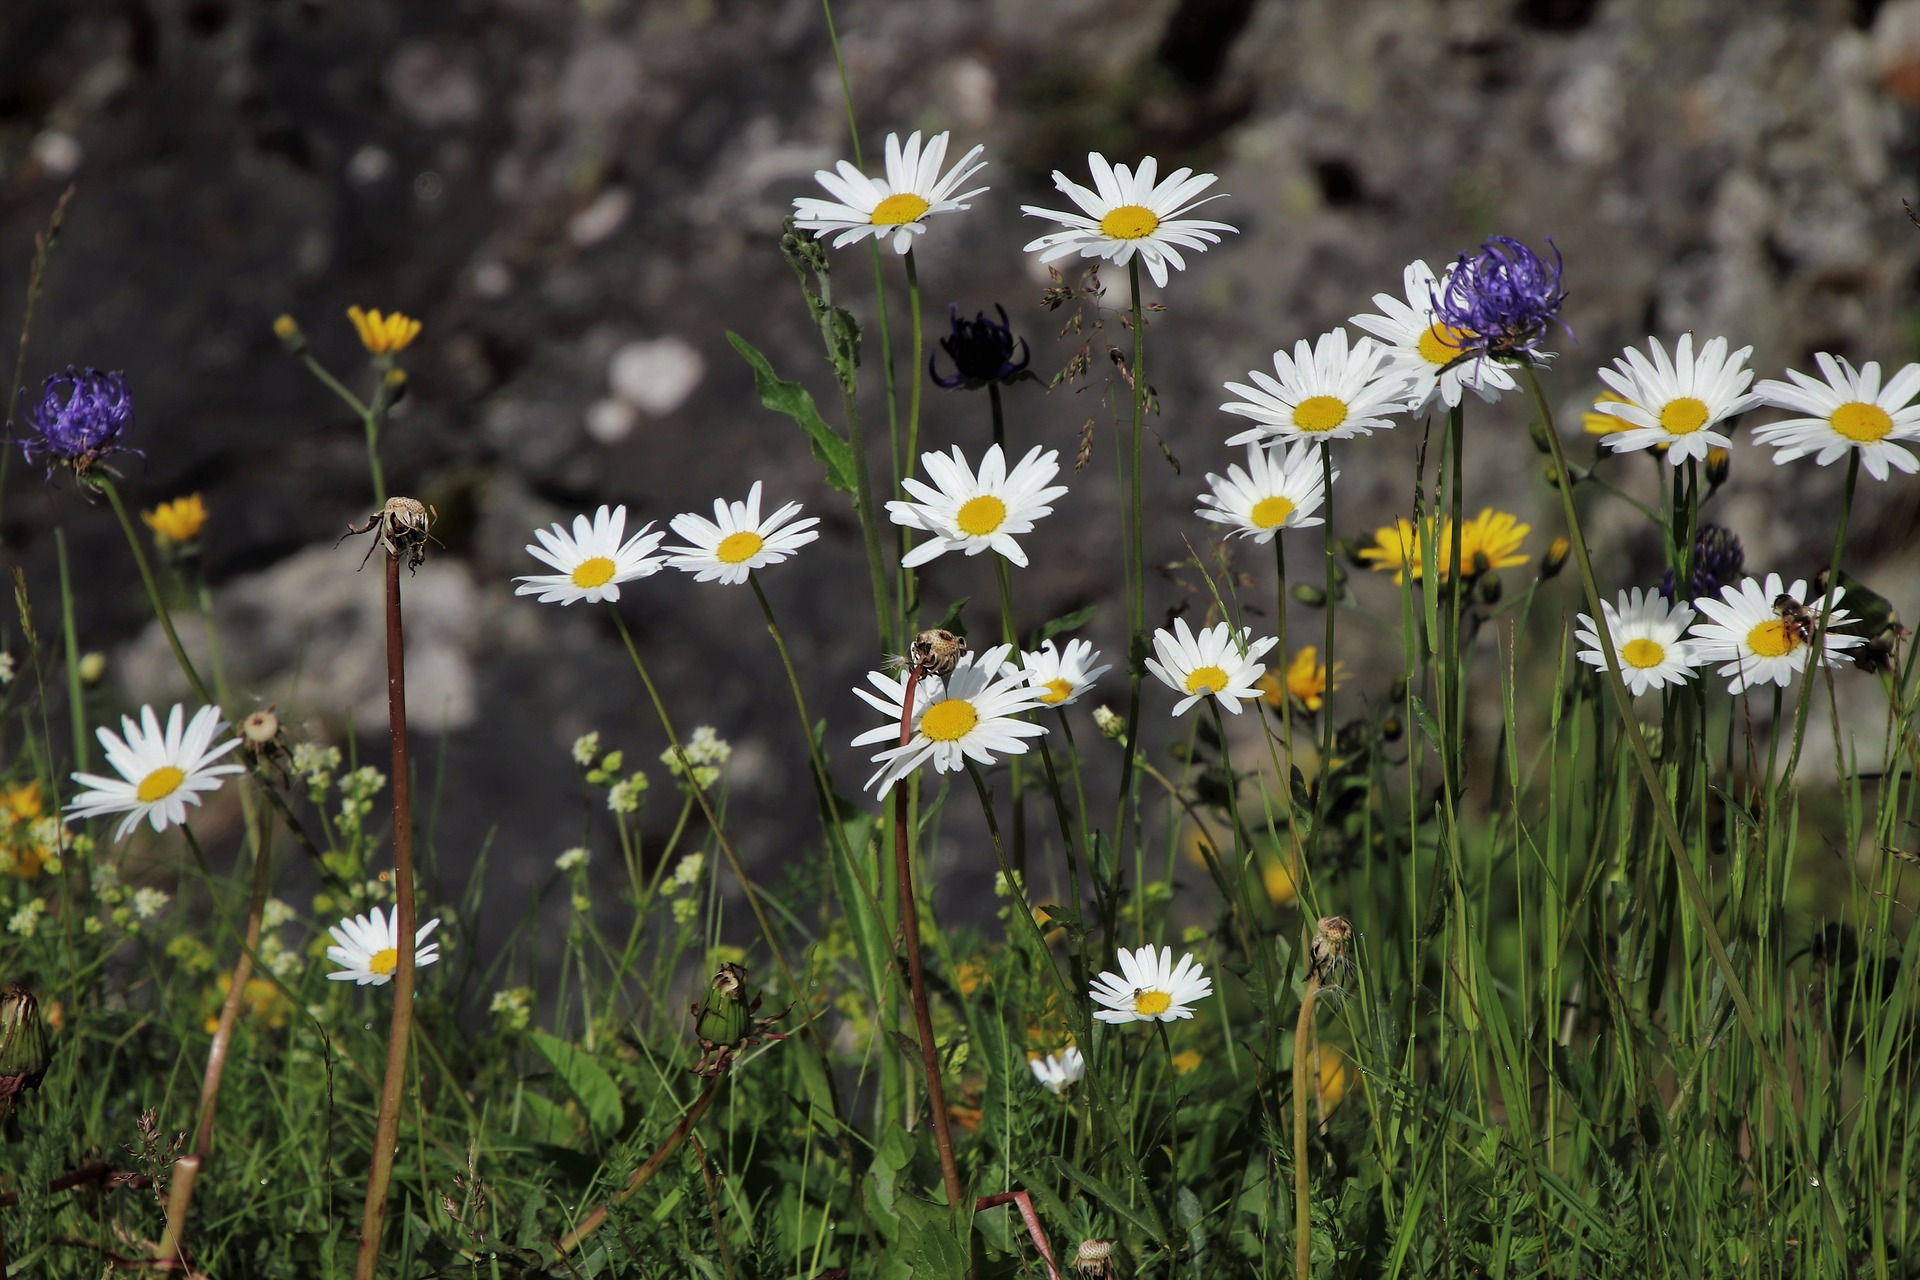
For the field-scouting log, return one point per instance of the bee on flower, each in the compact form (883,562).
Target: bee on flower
(1764,632)
(1150,987)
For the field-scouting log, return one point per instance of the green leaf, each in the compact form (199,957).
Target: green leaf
(950,620)
(1428,725)
(599,1096)
(1107,1196)
(792,399)
(1061,625)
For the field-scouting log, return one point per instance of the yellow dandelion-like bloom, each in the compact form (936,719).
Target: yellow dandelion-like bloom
(1596,423)
(1491,540)
(1187,1060)
(1281,884)
(1395,550)
(23,801)
(969,976)
(1306,681)
(1330,1070)
(179,521)
(383,335)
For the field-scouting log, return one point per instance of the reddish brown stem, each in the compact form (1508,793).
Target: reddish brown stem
(595,1220)
(236,993)
(1025,1204)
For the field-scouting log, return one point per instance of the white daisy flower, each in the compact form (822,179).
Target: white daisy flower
(593,562)
(1328,390)
(737,540)
(161,773)
(1281,487)
(1059,1071)
(967,716)
(1850,411)
(1128,212)
(1210,664)
(1149,987)
(1422,348)
(897,207)
(369,948)
(1062,675)
(972,513)
(1764,632)
(1646,630)
(1675,402)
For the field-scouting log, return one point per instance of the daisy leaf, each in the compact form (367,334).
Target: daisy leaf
(792,399)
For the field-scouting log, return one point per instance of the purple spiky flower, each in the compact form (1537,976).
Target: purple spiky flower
(1718,559)
(1501,300)
(82,416)
(982,351)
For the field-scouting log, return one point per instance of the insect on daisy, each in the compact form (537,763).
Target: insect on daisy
(1062,675)
(1128,212)
(1851,410)
(974,512)
(1216,663)
(1676,401)
(897,206)
(968,715)
(369,948)
(1426,350)
(1060,1071)
(1150,987)
(161,772)
(1647,631)
(1764,631)
(1280,488)
(1331,389)
(737,541)
(593,561)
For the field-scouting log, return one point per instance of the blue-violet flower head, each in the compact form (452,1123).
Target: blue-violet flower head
(1718,559)
(1501,300)
(982,352)
(82,416)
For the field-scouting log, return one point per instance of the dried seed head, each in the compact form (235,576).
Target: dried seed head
(1094,1260)
(937,652)
(260,728)
(1330,950)
(403,527)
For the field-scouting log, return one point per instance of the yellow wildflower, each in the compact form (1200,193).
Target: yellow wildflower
(1491,540)
(179,521)
(1186,1060)
(383,335)
(1330,1071)
(1306,680)
(1395,550)
(1597,423)
(1283,887)
(24,801)
(969,976)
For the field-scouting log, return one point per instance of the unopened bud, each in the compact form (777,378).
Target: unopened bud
(1719,462)
(1554,559)
(92,667)
(1391,728)
(287,329)
(260,728)
(1537,432)
(394,384)
(1311,596)
(1110,723)
(24,1052)
(724,1019)
(1488,588)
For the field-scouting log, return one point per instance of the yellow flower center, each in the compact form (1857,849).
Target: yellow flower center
(597,572)
(1771,639)
(1442,344)
(1861,423)
(950,720)
(1319,413)
(902,206)
(1129,222)
(1642,653)
(159,784)
(1057,690)
(1683,416)
(1151,1002)
(738,548)
(1206,680)
(1271,513)
(383,962)
(980,516)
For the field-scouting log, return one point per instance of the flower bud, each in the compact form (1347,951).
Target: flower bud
(1110,723)
(724,1019)
(1487,588)
(1719,462)
(1311,596)
(1537,432)
(1391,728)
(1554,559)
(93,666)
(287,329)
(24,1052)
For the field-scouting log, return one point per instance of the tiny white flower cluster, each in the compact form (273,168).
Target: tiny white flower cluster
(571,860)
(706,752)
(512,1009)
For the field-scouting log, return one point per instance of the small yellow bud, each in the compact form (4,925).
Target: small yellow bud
(92,667)
(1555,558)
(287,329)
(177,523)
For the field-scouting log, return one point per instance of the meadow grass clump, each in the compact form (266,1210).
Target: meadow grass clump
(1551,952)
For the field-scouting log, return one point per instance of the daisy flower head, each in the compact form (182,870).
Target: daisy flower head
(1060,1071)
(1332,389)
(897,206)
(1425,349)
(1501,300)
(1062,675)
(1647,631)
(1280,488)
(1150,987)
(970,512)
(1676,401)
(737,540)
(1129,212)
(1763,631)
(368,948)
(161,771)
(593,561)
(1850,410)
(1216,663)
(968,715)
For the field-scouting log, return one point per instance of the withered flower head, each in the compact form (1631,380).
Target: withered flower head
(260,728)
(1331,950)
(403,527)
(937,652)
(1094,1260)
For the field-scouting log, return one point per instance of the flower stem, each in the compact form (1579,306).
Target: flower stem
(1134,557)
(1819,647)
(598,1218)
(999,416)
(154,598)
(1302,1210)
(242,972)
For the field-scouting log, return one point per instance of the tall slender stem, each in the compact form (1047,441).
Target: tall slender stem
(76,699)
(1016,783)
(160,610)
(1134,556)
(1302,1208)
(999,416)
(1820,633)
(917,375)
(236,993)
(1323,792)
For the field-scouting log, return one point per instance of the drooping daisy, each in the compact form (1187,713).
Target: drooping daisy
(899,205)
(593,562)
(967,716)
(1280,488)
(1060,1071)
(1062,675)
(1327,390)
(369,948)
(972,513)
(161,773)
(1425,349)
(736,541)
(1764,632)
(1851,410)
(1209,664)
(1647,631)
(1128,212)
(1676,402)
(1150,987)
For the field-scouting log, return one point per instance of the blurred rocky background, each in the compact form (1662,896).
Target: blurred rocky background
(579,197)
